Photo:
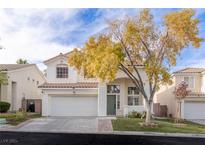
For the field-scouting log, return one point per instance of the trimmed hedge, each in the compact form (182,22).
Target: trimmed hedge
(4,107)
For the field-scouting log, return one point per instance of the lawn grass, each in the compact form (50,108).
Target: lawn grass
(165,126)
(19,117)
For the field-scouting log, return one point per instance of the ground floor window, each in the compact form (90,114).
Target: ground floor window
(133,100)
(133,96)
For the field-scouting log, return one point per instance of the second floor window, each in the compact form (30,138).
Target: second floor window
(62,71)
(189,81)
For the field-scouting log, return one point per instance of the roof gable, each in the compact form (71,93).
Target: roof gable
(61,55)
(11,67)
(190,70)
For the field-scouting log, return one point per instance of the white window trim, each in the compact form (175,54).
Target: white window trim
(62,66)
(189,81)
(133,95)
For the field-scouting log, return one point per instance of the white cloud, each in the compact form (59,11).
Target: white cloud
(34,34)
(27,33)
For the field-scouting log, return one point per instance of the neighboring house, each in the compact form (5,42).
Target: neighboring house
(193,106)
(68,93)
(23,82)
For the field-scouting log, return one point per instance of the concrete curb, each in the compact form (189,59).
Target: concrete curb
(159,134)
(23,123)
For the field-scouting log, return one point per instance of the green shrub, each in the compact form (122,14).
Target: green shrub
(134,114)
(143,115)
(4,107)
(20,115)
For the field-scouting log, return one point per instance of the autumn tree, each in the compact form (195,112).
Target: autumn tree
(21,61)
(181,91)
(139,40)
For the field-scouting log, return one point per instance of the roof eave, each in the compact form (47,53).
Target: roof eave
(55,57)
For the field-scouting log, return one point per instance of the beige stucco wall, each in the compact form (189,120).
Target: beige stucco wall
(25,88)
(3,92)
(73,75)
(165,96)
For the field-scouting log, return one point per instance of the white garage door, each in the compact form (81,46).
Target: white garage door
(194,110)
(74,106)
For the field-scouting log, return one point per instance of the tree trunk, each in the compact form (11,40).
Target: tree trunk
(177,115)
(148,113)
(178,111)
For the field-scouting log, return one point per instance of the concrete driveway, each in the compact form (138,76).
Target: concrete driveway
(67,124)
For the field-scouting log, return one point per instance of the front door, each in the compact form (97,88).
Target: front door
(111,105)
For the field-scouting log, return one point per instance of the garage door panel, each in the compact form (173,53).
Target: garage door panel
(194,110)
(74,106)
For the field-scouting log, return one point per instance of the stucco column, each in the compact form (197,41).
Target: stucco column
(45,105)
(123,97)
(182,109)
(102,99)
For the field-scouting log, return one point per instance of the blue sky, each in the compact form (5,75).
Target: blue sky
(39,34)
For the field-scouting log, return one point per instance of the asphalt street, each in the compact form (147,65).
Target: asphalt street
(37,138)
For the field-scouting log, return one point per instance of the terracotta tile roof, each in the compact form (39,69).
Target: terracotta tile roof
(191,70)
(70,85)
(10,67)
(196,94)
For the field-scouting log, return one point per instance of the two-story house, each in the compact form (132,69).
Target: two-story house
(68,93)
(22,86)
(192,106)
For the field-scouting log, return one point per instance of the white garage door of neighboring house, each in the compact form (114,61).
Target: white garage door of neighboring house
(194,110)
(74,106)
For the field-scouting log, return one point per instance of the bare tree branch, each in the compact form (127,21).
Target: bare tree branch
(145,45)
(131,61)
(134,79)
